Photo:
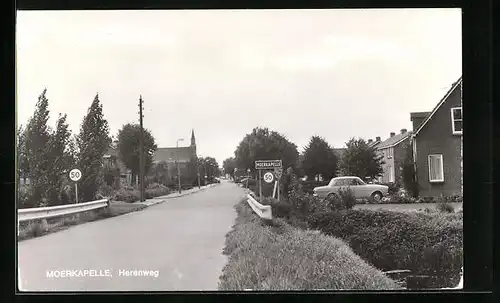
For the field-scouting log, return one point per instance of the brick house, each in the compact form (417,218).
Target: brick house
(437,145)
(177,155)
(112,160)
(393,152)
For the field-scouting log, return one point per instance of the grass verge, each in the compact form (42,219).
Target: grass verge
(272,255)
(33,229)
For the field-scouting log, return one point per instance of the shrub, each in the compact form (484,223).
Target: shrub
(347,199)
(275,256)
(425,244)
(127,194)
(445,207)
(105,190)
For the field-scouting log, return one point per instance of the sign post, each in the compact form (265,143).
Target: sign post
(75,175)
(248,176)
(268,177)
(279,173)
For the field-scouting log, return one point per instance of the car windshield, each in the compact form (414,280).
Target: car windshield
(360,182)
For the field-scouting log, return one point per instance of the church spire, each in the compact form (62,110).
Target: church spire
(193,140)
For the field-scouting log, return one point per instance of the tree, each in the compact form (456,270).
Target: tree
(93,141)
(159,172)
(60,161)
(319,159)
(229,165)
(36,138)
(22,160)
(129,148)
(209,167)
(361,160)
(264,144)
(409,175)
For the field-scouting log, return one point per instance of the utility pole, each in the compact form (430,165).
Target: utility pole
(141,151)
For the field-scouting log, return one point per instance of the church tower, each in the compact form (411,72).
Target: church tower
(193,142)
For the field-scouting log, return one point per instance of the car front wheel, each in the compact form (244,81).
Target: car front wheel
(376,196)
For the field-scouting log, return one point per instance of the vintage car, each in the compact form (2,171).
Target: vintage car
(360,189)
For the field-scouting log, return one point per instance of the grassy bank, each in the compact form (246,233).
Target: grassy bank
(272,255)
(33,229)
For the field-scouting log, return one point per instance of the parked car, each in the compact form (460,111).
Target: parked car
(360,189)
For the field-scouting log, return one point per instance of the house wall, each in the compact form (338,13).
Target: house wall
(387,166)
(436,138)
(399,158)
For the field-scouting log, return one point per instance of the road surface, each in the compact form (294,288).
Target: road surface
(173,246)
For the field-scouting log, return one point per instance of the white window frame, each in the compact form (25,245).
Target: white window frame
(390,153)
(456,132)
(429,168)
(391,174)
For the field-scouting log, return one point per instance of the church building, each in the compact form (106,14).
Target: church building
(174,155)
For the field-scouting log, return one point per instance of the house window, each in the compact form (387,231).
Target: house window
(391,174)
(456,120)
(390,153)
(436,173)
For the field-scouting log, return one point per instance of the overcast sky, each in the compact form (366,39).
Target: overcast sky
(333,73)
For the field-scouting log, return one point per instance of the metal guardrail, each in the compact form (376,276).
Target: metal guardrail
(27,214)
(264,211)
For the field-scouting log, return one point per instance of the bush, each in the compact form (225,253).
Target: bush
(275,256)
(445,207)
(126,194)
(345,199)
(394,188)
(425,244)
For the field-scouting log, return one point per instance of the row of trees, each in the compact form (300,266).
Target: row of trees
(318,157)
(45,155)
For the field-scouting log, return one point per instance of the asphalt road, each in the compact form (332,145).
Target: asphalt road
(179,243)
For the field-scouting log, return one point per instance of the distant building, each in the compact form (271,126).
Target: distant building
(393,153)
(112,160)
(437,145)
(177,155)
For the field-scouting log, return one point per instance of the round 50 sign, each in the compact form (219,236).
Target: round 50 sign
(75,174)
(268,177)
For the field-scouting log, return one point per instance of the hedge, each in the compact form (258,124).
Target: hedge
(276,256)
(425,244)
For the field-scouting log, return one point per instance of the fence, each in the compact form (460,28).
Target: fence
(43,213)
(264,211)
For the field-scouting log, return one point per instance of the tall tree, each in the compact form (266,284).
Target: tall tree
(93,141)
(37,137)
(209,167)
(59,159)
(229,165)
(129,148)
(264,144)
(361,160)
(22,160)
(319,159)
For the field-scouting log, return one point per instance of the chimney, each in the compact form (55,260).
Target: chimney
(403,131)
(418,118)
(392,134)
(370,141)
(378,139)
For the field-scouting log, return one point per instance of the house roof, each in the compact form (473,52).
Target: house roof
(113,152)
(374,143)
(394,140)
(453,87)
(169,154)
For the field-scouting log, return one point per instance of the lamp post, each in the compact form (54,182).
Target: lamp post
(178,168)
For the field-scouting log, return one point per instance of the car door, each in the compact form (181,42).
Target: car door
(362,189)
(355,187)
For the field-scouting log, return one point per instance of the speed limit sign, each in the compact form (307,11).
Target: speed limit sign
(268,177)
(75,175)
